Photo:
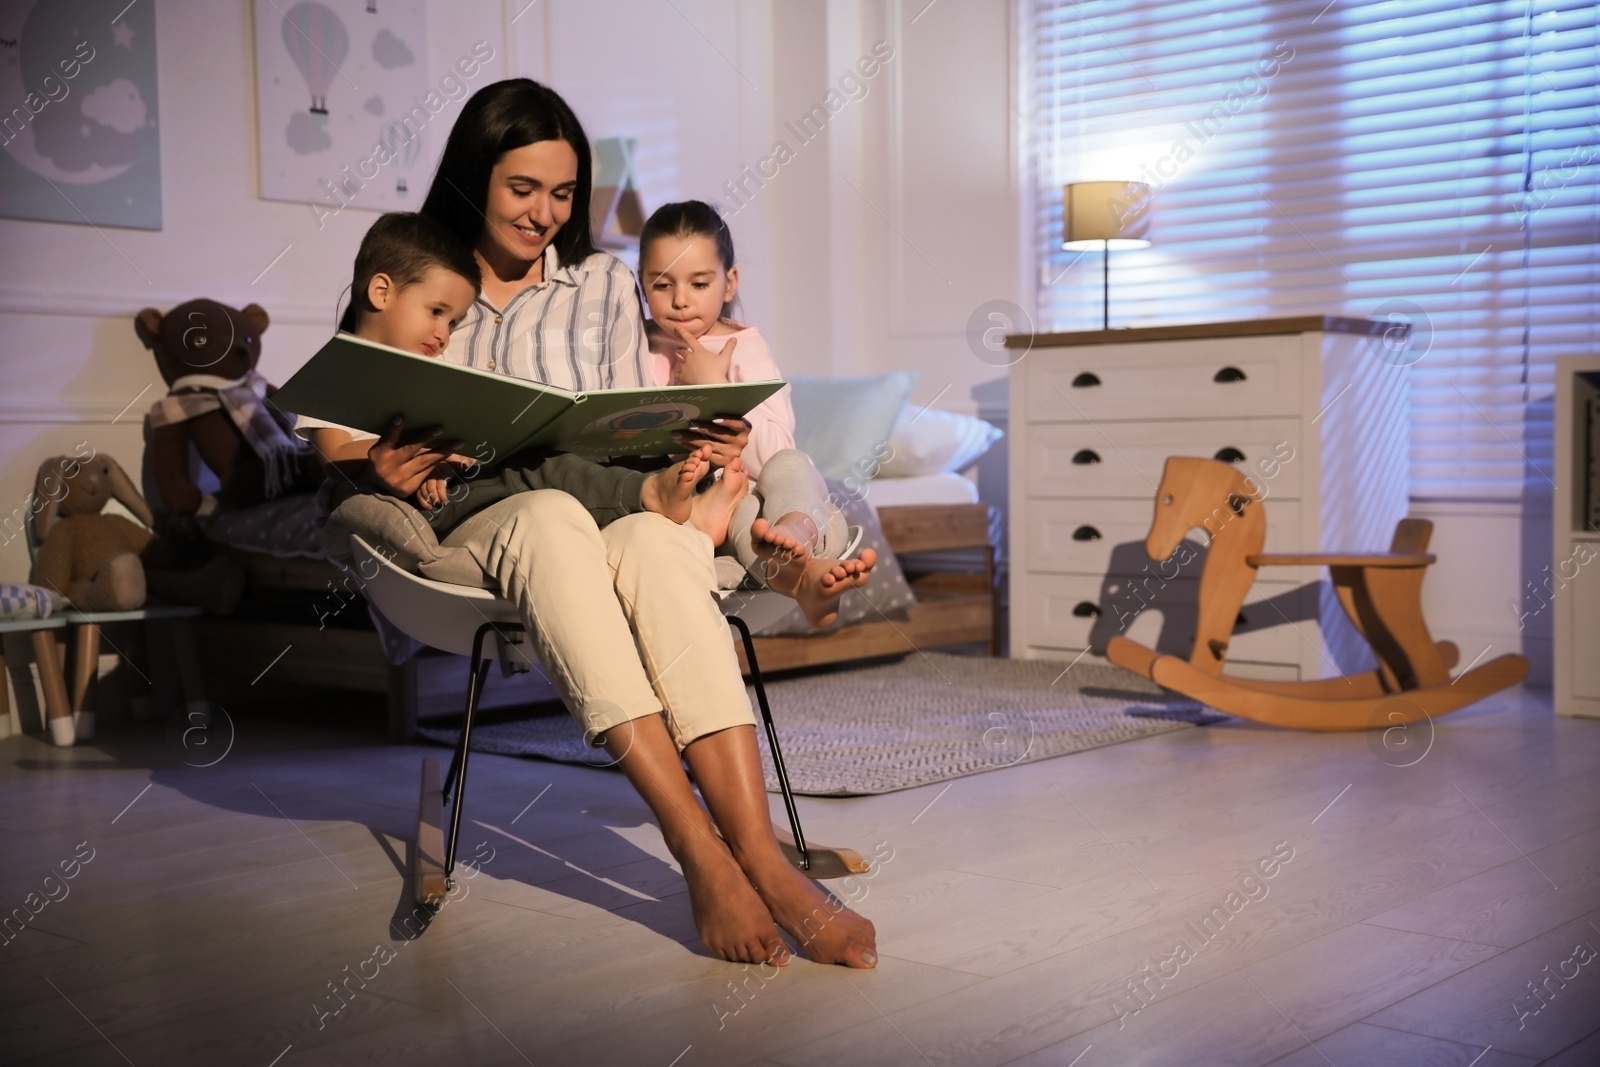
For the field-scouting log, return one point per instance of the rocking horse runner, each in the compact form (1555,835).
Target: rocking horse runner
(1381,593)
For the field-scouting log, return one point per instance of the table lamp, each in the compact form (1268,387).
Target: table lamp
(1105,215)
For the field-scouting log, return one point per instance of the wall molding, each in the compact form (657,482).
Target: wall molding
(125,304)
(99,415)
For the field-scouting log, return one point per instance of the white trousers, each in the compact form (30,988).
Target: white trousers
(623,620)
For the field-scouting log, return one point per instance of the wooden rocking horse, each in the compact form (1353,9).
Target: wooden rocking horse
(1381,593)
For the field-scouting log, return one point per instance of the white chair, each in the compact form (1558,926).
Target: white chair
(459,619)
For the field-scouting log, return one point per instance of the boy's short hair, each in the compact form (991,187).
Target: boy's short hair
(404,245)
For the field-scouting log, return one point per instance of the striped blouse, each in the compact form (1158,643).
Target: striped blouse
(579,329)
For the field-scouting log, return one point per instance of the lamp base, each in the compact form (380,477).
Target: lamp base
(1105,287)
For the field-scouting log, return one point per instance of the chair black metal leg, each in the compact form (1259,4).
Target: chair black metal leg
(456,782)
(772,740)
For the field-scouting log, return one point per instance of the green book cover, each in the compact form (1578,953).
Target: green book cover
(363,385)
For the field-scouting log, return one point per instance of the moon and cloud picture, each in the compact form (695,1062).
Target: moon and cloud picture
(336,81)
(78,135)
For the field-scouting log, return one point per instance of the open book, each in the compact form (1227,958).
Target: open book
(363,385)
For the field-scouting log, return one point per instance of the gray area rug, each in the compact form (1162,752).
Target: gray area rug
(927,718)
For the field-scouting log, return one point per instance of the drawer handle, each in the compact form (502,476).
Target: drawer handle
(1085,456)
(1086,610)
(1228,374)
(1229,454)
(1086,533)
(1085,380)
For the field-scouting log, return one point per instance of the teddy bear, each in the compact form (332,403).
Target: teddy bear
(216,402)
(104,562)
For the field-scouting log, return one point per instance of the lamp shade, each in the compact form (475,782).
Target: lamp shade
(1105,215)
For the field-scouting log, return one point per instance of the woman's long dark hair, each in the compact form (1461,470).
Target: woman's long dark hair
(500,118)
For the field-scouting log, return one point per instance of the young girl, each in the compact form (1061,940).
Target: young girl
(785,531)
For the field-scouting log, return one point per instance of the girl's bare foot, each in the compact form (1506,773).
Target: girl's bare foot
(733,922)
(711,512)
(779,541)
(815,584)
(670,492)
(825,930)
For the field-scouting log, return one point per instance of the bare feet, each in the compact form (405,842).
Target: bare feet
(733,922)
(670,492)
(826,930)
(711,512)
(815,584)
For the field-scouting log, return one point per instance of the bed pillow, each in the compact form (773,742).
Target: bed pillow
(931,441)
(844,424)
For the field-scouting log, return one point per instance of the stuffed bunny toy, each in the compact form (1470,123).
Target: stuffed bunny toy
(102,562)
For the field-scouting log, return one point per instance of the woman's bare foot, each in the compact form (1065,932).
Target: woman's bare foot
(825,930)
(670,492)
(815,584)
(733,922)
(711,512)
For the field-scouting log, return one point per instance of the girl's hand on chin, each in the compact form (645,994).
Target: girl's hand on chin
(694,364)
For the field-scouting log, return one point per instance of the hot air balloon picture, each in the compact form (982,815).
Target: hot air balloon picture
(318,43)
(403,145)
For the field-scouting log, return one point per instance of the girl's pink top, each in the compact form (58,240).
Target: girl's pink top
(772,422)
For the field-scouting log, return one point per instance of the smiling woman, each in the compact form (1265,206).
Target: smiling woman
(515,172)
(622,619)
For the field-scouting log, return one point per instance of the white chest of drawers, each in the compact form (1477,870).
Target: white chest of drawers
(1314,409)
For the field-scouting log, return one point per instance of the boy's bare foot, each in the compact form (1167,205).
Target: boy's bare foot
(733,922)
(670,492)
(825,930)
(815,584)
(711,512)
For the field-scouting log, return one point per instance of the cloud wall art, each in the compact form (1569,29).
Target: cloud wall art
(78,135)
(339,92)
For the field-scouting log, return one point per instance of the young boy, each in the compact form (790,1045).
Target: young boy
(413,282)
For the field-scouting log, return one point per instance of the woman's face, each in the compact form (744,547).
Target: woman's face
(530,199)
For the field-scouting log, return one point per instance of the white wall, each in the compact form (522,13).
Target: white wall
(68,294)
(868,250)
(831,247)
(1479,594)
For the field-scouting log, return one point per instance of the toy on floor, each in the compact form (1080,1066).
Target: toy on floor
(1381,592)
(218,404)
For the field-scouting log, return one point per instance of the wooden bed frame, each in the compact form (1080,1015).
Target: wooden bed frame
(952,609)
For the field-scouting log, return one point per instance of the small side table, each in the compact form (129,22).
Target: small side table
(58,712)
(87,626)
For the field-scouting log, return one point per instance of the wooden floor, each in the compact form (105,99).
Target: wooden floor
(1430,885)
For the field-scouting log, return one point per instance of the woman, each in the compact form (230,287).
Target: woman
(623,620)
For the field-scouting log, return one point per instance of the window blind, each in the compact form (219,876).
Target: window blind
(1417,160)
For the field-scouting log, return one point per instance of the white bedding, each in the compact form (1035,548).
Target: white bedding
(946,488)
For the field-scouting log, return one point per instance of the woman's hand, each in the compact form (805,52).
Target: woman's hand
(695,364)
(727,438)
(402,461)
